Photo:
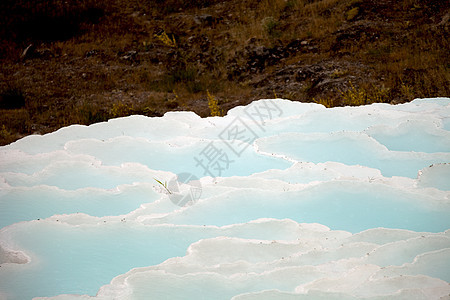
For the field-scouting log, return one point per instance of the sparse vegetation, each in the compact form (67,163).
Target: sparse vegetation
(120,109)
(88,61)
(271,27)
(361,96)
(352,13)
(213,105)
(327,102)
(166,40)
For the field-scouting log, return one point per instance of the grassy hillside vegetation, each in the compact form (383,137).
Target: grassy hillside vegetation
(85,61)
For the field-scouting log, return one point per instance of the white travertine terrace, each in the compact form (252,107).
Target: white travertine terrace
(297,202)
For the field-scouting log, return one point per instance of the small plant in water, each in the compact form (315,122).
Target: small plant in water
(164,185)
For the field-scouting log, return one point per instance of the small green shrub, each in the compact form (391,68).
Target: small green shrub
(291,4)
(352,13)
(213,106)
(355,96)
(184,74)
(407,91)
(195,86)
(121,109)
(88,114)
(6,136)
(166,40)
(339,73)
(271,27)
(327,102)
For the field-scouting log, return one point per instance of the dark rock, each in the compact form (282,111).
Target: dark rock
(201,41)
(44,53)
(205,20)
(129,56)
(355,35)
(444,23)
(91,53)
(172,104)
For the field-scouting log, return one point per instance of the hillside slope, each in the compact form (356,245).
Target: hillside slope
(66,62)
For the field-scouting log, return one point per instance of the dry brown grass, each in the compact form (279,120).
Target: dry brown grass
(105,59)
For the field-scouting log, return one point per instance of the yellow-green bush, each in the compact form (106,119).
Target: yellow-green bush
(355,96)
(166,40)
(213,106)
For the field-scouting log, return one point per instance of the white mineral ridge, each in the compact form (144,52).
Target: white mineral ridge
(284,200)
